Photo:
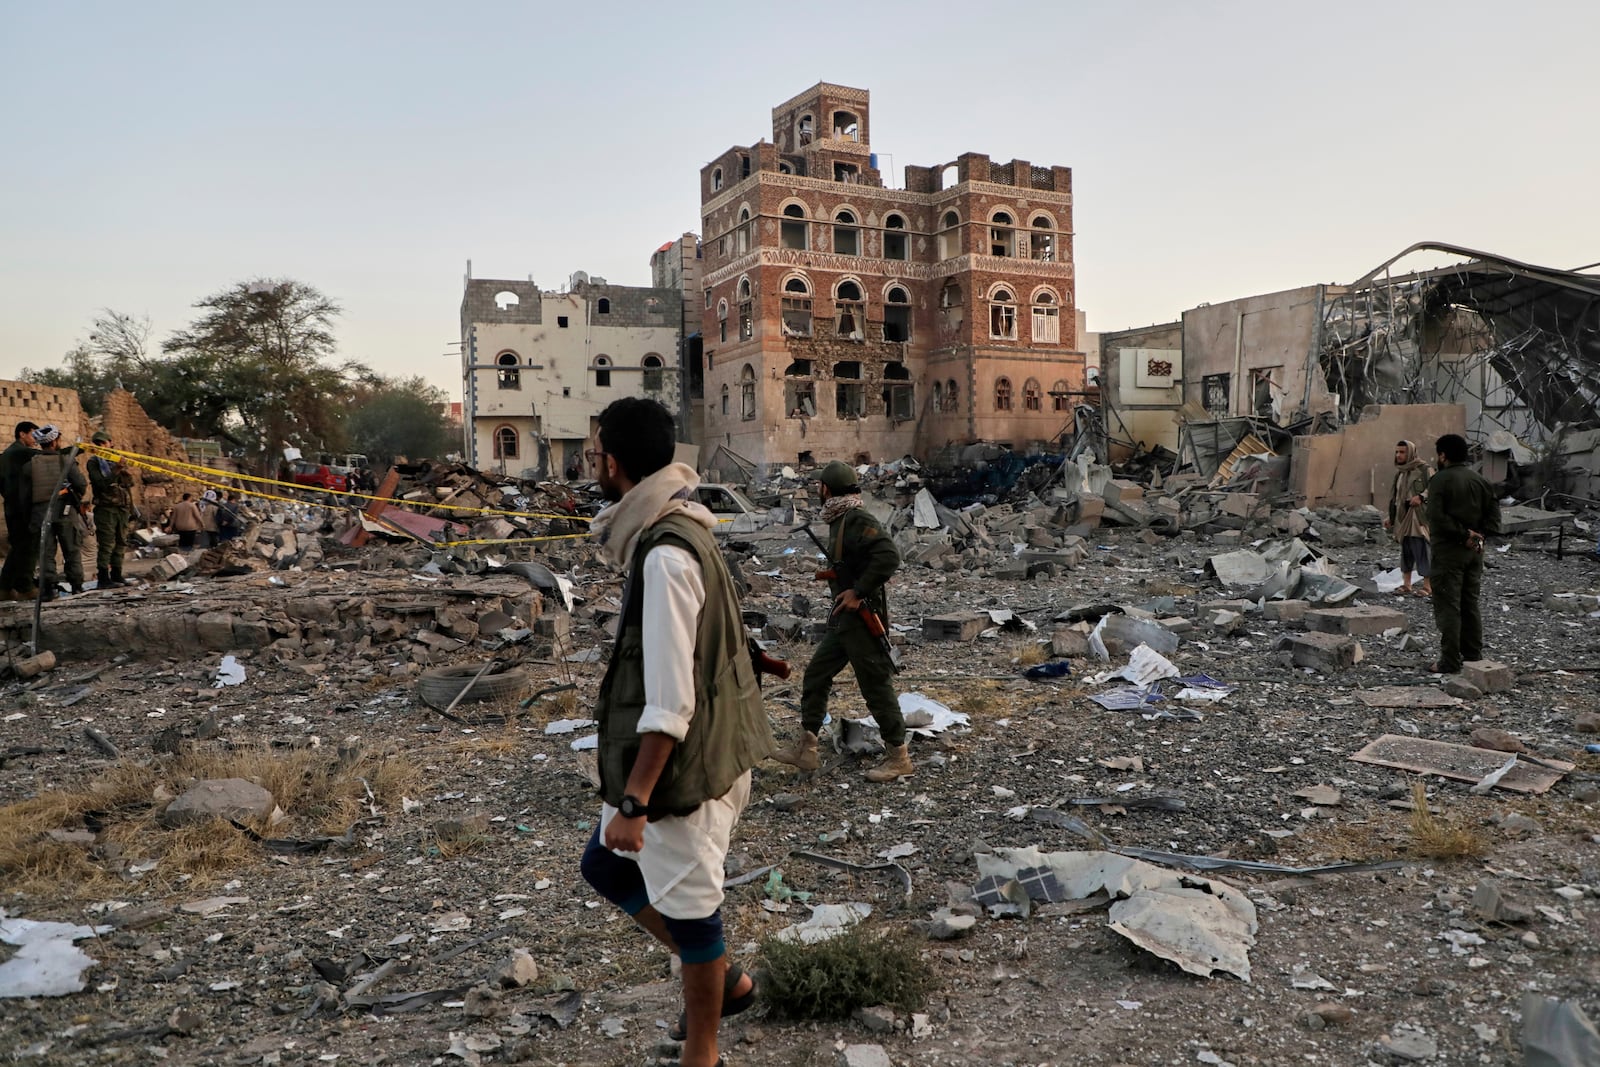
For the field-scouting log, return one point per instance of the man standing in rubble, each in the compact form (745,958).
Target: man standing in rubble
(22,551)
(680,714)
(57,514)
(1406,521)
(1462,511)
(863,558)
(112,487)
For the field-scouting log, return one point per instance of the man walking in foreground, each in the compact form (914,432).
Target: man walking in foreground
(1462,511)
(863,559)
(1406,520)
(681,720)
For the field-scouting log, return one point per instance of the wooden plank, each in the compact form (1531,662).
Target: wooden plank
(391,482)
(1460,762)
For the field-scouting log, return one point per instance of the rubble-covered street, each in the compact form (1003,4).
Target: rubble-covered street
(404,885)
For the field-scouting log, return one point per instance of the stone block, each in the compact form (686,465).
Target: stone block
(1227,537)
(1487,675)
(555,624)
(1460,688)
(1360,621)
(863,1056)
(1120,491)
(1241,505)
(1012,570)
(1069,644)
(1285,610)
(215,631)
(219,798)
(962,626)
(1091,509)
(1324,652)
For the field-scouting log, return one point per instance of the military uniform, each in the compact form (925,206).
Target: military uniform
(112,486)
(1459,500)
(57,518)
(22,553)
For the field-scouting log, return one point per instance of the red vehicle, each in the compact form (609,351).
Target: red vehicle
(321,476)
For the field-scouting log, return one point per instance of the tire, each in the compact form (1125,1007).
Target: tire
(439,686)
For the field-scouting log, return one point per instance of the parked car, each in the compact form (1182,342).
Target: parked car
(321,475)
(730,506)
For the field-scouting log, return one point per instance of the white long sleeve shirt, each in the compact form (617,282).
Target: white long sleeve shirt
(674,596)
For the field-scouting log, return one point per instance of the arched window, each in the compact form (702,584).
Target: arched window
(950,236)
(744,288)
(850,312)
(505,442)
(1046,318)
(1043,238)
(602,372)
(1002,394)
(1002,235)
(1059,400)
(846,237)
(603,306)
(805,130)
(724,400)
(938,396)
(896,243)
(654,372)
(952,311)
(952,397)
(784,167)
(1002,315)
(746,312)
(896,314)
(1032,395)
(747,393)
(741,236)
(846,127)
(898,392)
(716,180)
(796,308)
(793,228)
(508,376)
(722,319)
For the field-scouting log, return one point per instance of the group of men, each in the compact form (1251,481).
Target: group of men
(46,508)
(1441,517)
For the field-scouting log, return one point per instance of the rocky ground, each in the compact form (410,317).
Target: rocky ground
(468,837)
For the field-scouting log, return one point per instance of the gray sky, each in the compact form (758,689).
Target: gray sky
(158,152)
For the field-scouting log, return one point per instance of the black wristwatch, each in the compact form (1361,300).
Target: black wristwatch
(631,808)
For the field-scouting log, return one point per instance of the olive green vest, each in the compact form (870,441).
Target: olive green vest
(729,733)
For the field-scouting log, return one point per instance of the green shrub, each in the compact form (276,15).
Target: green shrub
(856,969)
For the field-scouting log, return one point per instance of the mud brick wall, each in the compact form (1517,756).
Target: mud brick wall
(133,430)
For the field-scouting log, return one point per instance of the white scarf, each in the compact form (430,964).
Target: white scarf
(668,491)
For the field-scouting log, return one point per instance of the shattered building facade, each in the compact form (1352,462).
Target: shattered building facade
(1504,352)
(538,367)
(842,318)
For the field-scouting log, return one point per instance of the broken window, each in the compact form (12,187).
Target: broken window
(897,315)
(793,233)
(805,130)
(1002,394)
(846,237)
(850,312)
(784,167)
(654,372)
(845,172)
(561,321)
(505,300)
(1002,316)
(602,372)
(952,311)
(846,127)
(724,400)
(849,394)
(508,376)
(1059,400)
(896,243)
(1214,393)
(722,319)
(716,180)
(603,306)
(1043,239)
(1046,319)
(505,443)
(898,395)
(952,398)
(1032,395)
(950,236)
(1264,386)
(938,396)
(1002,236)
(747,393)
(746,319)
(744,165)
(796,309)
(799,390)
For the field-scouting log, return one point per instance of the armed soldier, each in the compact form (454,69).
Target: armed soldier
(112,486)
(862,558)
(55,485)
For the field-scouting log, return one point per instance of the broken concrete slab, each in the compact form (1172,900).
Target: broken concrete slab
(1406,696)
(1488,675)
(219,798)
(1323,652)
(1361,621)
(1285,610)
(961,626)
(1463,763)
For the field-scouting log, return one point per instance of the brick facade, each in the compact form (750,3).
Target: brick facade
(964,277)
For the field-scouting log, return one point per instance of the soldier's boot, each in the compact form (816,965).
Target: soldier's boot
(802,754)
(102,578)
(117,581)
(896,765)
(77,587)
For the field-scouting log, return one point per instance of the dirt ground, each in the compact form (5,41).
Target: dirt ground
(1054,989)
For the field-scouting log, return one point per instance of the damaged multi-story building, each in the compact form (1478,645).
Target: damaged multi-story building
(1504,352)
(538,366)
(844,318)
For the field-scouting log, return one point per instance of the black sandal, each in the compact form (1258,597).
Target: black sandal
(731,1005)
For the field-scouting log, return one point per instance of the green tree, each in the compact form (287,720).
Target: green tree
(399,417)
(251,369)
